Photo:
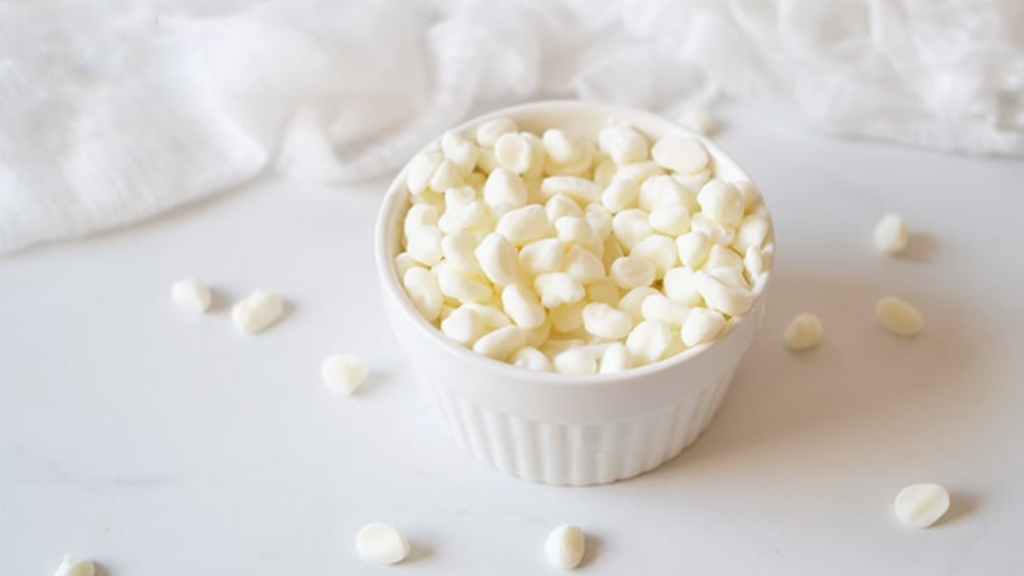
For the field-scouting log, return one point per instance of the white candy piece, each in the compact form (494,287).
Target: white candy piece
(680,154)
(631,226)
(382,544)
(458,249)
(632,302)
(621,194)
(501,343)
(498,259)
(425,244)
(567,318)
(605,321)
(623,144)
(422,288)
(921,505)
(458,286)
(600,220)
(525,224)
(579,189)
(615,359)
(648,342)
(257,311)
(514,152)
(343,373)
(464,325)
(722,202)
(488,133)
(522,306)
(750,193)
(575,361)
(751,233)
(560,206)
(504,190)
(531,359)
(446,176)
(722,257)
(639,171)
(460,152)
(681,287)
(716,232)
(693,249)
(583,265)
(557,289)
(658,250)
(403,262)
(702,325)
(72,566)
(699,119)
(671,219)
(721,296)
(561,147)
(420,170)
(631,272)
(565,547)
(542,256)
(899,317)
(659,191)
(577,231)
(803,332)
(191,295)
(660,308)
(891,234)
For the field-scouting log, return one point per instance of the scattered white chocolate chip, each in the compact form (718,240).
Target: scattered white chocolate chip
(343,373)
(382,544)
(803,332)
(891,234)
(72,566)
(921,505)
(257,311)
(565,547)
(191,295)
(899,317)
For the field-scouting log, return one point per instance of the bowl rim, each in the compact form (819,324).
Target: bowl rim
(387,274)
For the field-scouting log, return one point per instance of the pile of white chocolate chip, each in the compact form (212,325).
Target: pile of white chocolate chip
(555,253)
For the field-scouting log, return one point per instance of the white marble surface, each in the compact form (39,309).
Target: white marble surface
(163,444)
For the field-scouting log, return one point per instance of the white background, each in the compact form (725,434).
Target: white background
(162,444)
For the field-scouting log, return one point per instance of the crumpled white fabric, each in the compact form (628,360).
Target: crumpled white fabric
(111,112)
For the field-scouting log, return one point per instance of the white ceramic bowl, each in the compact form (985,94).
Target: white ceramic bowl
(558,428)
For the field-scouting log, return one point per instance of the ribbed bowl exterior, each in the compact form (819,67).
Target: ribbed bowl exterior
(576,455)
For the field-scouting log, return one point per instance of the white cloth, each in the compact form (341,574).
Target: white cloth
(113,111)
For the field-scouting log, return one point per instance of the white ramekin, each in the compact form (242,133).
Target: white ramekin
(557,428)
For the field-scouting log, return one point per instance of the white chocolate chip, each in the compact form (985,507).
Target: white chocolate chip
(680,154)
(421,286)
(693,249)
(560,206)
(542,256)
(577,231)
(671,219)
(191,295)
(701,326)
(803,332)
(724,297)
(681,287)
(567,318)
(498,259)
(514,152)
(565,547)
(343,373)
(632,302)
(660,308)
(72,566)
(751,233)
(899,317)
(631,226)
(623,144)
(583,265)
(460,152)
(446,176)
(621,194)
(605,321)
(615,359)
(722,257)
(921,505)
(532,359)
(579,189)
(891,234)
(501,343)
(561,147)
(257,311)
(575,361)
(658,250)
(722,202)
(504,190)
(522,306)
(464,325)
(750,194)
(600,220)
(648,342)
(631,272)
(525,224)
(458,250)
(460,287)
(488,133)
(421,169)
(425,244)
(382,544)
(557,289)
(659,191)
